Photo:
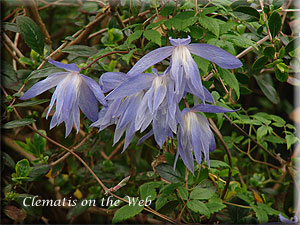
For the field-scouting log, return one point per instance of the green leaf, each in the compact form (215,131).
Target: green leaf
(80,50)
(261,215)
(22,168)
(38,171)
(39,143)
(126,212)
(269,52)
(274,23)
(36,74)
(280,72)
(293,44)
(9,77)
(215,206)
(31,103)
(166,172)
(134,36)
(210,24)
(160,202)
(246,13)
(10,26)
(218,164)
(268,209)
(8,161)
(268,89)
(128,56)
(18,123)
(259,63)
(198,207)
(201,193)
(244,198)
(183,193)
(147,190)
(290,140)
(196,32)
(239,41)
(31,33)
(77,209)
(153,35)
(231,80)
(262,131)
(183,20)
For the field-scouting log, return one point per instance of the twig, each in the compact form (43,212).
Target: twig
(100,57)
(13,55)
(265,19)
(251,47)
(119,146)
(155,14)
(11,44)
(280,160)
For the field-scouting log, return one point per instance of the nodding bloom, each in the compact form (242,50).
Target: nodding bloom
(195,136)
(294,220)
(73,91)
(183,69)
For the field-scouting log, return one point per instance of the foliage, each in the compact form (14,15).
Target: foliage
(252,171)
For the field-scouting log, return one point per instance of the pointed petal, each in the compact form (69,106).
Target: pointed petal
(69,67)
(211,109)
(53,99)
(110,80)
(88,102)
(132,86)
(118,134)
(95,88)
(150,59)
(159,96)
(160,129)
(44,85)
(129,136)
(216,55)
(145,137)
(208,97)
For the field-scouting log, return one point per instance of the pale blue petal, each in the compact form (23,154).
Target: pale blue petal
(69,67)
(145,137)
(95,88)
(211,109)
(88,102)
(132,86)
(150,59)
(129,135)
(53,99)
(44,85)
(183,41)
(216,55)
(118,134)
(110,80)
(159,125)
(159,96)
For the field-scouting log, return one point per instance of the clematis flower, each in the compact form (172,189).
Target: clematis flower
(195,135)
(294,220)
(73,91)
(183,69)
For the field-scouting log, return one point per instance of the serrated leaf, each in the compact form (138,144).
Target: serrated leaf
(134,36)
(38,171)
(10,26)
(261,215)
(183,193)
(201,193)
(22,168)
(18,123)
(126,212)
(293,44)
(231,80)
(210,24)
(268,209)
(80,50)
(244,198)
(147,190)
(262,131)
(215,206)
(31,103)
(153,35)
(198,207)
(8,161)
(31,33)
(166,172)
(268,89)
(274,23)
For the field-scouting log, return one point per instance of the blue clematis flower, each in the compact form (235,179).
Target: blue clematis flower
(73,91)
(294,220)
(195,135)
(183,69)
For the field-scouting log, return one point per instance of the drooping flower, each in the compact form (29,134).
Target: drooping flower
(294,220)
(73,91)
(195,136)
(183,69)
